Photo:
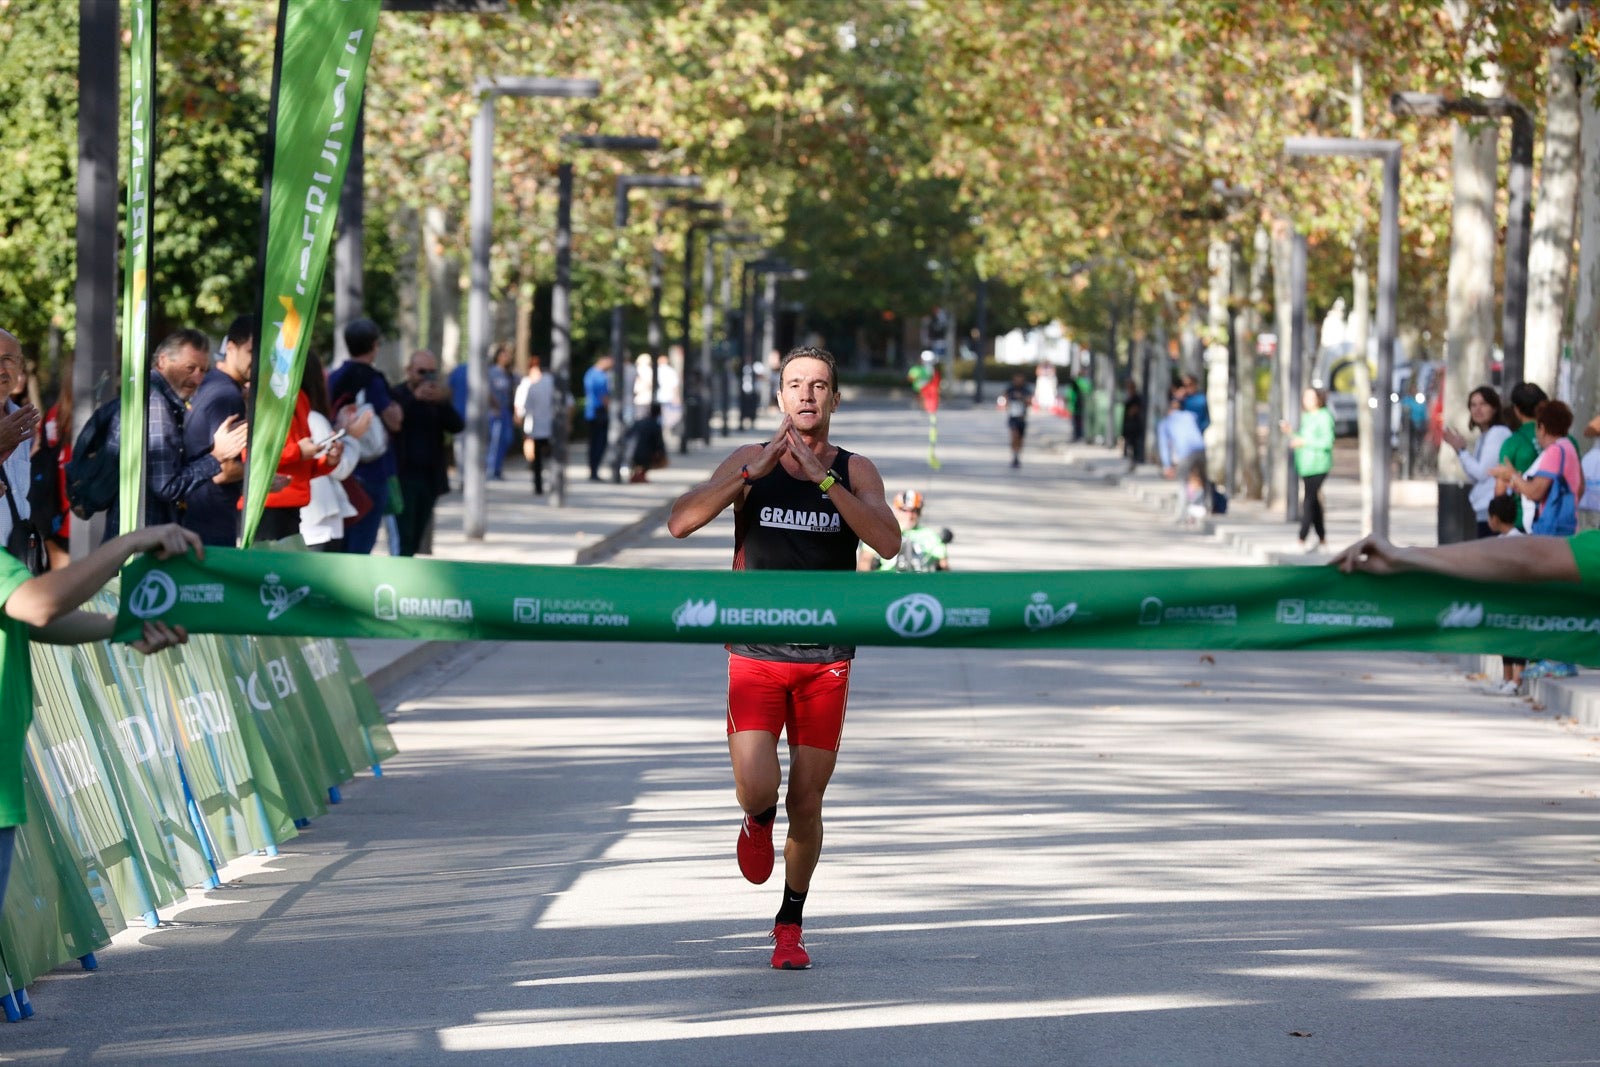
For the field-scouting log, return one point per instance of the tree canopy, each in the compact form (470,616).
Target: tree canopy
(897,151)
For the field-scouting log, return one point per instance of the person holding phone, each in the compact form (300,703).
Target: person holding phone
(1485,415)
(305,456)
(323,516)
(422,449)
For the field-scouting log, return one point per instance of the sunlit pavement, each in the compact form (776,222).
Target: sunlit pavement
(1031,857)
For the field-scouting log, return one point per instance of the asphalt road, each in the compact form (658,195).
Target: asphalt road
(1031,858)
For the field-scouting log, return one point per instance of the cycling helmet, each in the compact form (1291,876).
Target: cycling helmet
(908,500)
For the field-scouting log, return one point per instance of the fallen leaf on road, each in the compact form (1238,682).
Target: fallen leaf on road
(1192,685)
(1209,659)
(1299,1033)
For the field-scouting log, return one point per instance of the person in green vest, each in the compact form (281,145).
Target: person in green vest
(45,608)
(1313,459)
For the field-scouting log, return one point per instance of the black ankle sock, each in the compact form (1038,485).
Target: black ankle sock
(766,817)
(793,904)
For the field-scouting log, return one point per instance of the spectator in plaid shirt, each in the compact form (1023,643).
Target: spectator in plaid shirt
(170,472)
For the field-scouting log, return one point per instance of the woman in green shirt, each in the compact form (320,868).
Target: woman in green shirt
(1313,459)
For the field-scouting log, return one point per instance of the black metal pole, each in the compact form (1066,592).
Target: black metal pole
(982,315)
(349,287)
(1231,454)
(561,333)
(656,338)
(614,439)
(684,378)
(1299,341)
(1519,225)
(97,360)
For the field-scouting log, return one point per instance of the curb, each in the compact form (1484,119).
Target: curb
(618,539)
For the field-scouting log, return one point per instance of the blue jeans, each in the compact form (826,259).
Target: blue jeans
(8,844)
(499,445)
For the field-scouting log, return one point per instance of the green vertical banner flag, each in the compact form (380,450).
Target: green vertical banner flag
(318,77)
(136,257)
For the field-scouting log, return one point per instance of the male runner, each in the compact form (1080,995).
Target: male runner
(798,688)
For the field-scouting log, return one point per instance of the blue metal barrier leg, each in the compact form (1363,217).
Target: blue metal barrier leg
(334,796)
(266,827)
(213,881)
(89,962)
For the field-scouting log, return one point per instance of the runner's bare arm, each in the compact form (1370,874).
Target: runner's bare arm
(1493,559)
(711,497)
(864,509)
(726,485)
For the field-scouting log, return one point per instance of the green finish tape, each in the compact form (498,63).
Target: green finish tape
(313,595)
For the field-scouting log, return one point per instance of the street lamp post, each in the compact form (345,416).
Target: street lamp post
(1519,215)
(561,295)
(723,389)
(695,224)
(1298,344)
(775,271)
(475,501)
(1388,293)
(625,184)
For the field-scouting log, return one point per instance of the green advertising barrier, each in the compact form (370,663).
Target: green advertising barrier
(337,736)
(273,809)
(283,726)
(49,916)
(105,768)
(326,666)
(380,743)
(211,745)
(115,737)
(249,591)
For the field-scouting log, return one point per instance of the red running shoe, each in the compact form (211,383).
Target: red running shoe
(755,850)
(789,951)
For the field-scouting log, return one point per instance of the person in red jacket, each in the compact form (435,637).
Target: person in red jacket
(302,459)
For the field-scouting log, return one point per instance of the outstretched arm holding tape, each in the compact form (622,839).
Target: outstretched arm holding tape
(1493,559)
(45,608)
(49,603)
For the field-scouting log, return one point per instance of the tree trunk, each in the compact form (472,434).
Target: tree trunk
(1247,279)
(1361,314)
(1280,405)
(444,287)
(1216,383)
(1360,333)
(1470,305)
(1586,318)
(409,293)
(1550,256)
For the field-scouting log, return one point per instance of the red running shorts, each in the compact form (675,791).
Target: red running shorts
(806,699)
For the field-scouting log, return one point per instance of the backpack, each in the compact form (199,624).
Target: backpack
(93,473)
(44,488)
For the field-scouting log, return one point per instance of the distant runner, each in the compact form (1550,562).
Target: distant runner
(800,503)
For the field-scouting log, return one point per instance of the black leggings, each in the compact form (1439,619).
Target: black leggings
(1311,507)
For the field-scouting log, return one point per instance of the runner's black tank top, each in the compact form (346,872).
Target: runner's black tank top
(788,524)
